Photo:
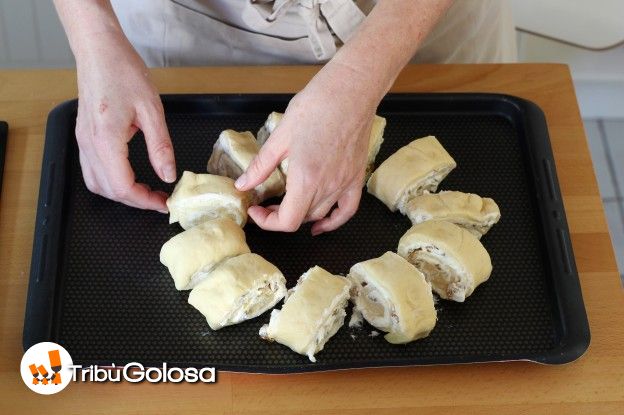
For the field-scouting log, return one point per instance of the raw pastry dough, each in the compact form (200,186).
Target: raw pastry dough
(421,165)
(232,154)
(467,210)
(450,257)
(269,126)
(238,289)
(192,254)
(394,297)
(265,132)
(313,312)
(200,197)
(374,142)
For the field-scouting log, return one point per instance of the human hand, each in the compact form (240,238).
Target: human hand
(324,133)
(116,99)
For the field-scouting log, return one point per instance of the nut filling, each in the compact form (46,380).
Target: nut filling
(448,281)
(427,184)
(374,306)
(255,302)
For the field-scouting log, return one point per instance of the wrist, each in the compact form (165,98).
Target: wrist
(94,44)
(88,24)
(364,88)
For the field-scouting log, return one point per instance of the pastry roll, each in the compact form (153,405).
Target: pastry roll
(450,257)
(393,296)
(232,154)
(374,142)
(421,165)
(265,132)
(192,254)
(238,289)
(313,312)
(269,126)
(200,197)
(472,212)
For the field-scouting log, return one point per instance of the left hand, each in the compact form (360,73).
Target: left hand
(324,133)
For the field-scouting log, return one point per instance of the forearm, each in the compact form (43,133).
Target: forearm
(87,20)
(387,40)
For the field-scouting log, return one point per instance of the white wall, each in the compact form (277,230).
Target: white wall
(31,36)
(598,75)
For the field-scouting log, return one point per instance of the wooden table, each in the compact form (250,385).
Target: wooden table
(593,384)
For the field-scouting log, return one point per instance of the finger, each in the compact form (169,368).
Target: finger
(157,198)
(272,208)
(287,217)
(120,181)
(321,210)
(347,206)
(141,196)
(87,174)
(151,120)
(265,162)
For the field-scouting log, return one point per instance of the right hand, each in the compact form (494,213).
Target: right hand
(116,99)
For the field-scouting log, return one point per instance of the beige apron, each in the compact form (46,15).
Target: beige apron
(271,32)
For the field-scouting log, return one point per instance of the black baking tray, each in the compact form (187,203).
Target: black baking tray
(97,287)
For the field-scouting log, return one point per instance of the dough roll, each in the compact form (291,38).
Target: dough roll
(192,254)
(238,289)
(474,213)
(450,257)
(232,154)
(200,197)
(313,312)
(393,296)
(419,166)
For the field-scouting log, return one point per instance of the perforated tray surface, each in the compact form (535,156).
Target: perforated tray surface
(98,288)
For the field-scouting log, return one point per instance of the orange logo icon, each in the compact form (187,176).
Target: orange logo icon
(41,377)
(55,365)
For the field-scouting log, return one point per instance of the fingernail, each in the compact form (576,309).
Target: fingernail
(169,173)
(165,211)
(316,232)
(240,182)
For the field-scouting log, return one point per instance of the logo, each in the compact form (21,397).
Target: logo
(46,368)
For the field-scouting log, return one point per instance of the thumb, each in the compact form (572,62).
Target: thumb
(158,142)
(265,162)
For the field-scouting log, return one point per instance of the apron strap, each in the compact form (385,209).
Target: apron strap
(259,14)
(319,35)
(343,16)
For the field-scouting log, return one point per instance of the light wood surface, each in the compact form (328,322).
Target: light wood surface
(593,384)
